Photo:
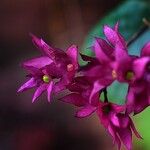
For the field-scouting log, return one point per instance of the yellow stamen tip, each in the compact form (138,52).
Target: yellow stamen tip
(129,75)
(46,78)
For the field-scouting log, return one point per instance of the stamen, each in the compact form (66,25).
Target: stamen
(129,75)
(114,74)
(70,67)
(46,78)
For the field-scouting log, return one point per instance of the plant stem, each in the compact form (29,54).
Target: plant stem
(140,32)
(105,95)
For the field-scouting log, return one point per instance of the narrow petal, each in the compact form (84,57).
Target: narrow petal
(39,91)
(75,99)
(139,66)
(121,54)
(123,64)
(116,27)
(114,37)
(102,73)
(38,62)
(115,137)
(85,111)
(49,91)
(124,120)
(126,137)
(41,45)
(29,84)
(141,102)
(33,71)
(72,52)
(130,101)
(74,87)
(137,98)
(59,86)
(102,50)
(103,114)
(96,88)
(114,119)
(135,130)
(146,50)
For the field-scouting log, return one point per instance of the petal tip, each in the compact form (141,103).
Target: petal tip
(19,90)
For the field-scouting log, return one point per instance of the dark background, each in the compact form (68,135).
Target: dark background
(44,126)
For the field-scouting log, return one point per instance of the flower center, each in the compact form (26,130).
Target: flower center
(114,74)
(46,78)
(129,75)
(70,67)
(106,109)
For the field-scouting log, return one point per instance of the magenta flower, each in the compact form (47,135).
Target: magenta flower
(120,62)
(51,72)
(118,124)
(112,60)
(138,97)
(39,78)
(65,63)
(58,70)
(114,37)
(83,95)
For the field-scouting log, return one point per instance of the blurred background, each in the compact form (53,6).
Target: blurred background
(44,126)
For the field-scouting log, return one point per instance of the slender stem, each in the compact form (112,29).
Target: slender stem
(105,95)
(137,35)
(140,32)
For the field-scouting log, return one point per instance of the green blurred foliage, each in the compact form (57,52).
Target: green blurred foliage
(130,14)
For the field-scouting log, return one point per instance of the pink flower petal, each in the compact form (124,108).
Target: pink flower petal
(146,50)
(114,37)
(114,136)
(139,66)
(59,86)
(130,101)
(38,62)
(29,84)
(75,99)
(126,137)
(49,91)
(114,119)
(96,88)
(102,50)
(45,48)
(85,111)
(135,130)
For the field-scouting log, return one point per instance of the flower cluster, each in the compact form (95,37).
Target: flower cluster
(57,70)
